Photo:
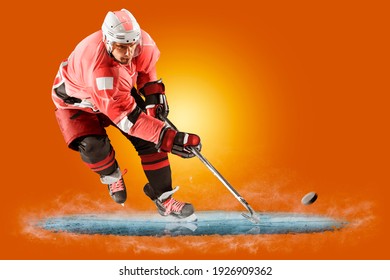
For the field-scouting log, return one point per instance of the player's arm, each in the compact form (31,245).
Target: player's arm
(156,103)
(152,89)
(113,99)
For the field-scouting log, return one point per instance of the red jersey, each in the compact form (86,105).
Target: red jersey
(103,85)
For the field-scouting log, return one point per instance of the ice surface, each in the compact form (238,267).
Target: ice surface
(208,223)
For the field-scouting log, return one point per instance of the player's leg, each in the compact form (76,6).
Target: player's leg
(157,169)
(84,132)
(98,154)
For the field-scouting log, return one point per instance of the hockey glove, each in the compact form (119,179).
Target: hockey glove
(178,143)
(156,104)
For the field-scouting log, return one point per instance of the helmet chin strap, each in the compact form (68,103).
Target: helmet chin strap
(108,45)
(109,50)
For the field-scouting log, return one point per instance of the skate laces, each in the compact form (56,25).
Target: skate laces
(118,185)
(172,205)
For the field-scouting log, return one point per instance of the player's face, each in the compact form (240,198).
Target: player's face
(123,52)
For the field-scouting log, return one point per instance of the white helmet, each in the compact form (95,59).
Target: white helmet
(121,27)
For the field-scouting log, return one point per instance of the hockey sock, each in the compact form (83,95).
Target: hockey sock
(158,171)
(106,166)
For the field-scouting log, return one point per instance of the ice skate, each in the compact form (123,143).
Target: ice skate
(168,206)
(116,186)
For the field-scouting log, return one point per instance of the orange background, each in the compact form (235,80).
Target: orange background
(288,97)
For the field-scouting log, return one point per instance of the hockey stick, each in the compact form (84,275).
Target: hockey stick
(253,217)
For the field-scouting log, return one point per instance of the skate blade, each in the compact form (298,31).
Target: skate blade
(178,226)
(253,218)
(190,219)
(123,204)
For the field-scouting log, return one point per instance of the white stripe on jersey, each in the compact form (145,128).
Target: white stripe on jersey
(125,124)
(105,83)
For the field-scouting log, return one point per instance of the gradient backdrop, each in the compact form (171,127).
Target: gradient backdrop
(288,97)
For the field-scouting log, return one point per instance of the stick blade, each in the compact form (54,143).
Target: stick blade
(253,218)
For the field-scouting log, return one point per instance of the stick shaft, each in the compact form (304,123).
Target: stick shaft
(222,179)
(215,172)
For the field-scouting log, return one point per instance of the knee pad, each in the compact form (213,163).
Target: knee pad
(94,146)
(97,152)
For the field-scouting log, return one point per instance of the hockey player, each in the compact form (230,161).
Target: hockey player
(101,84)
